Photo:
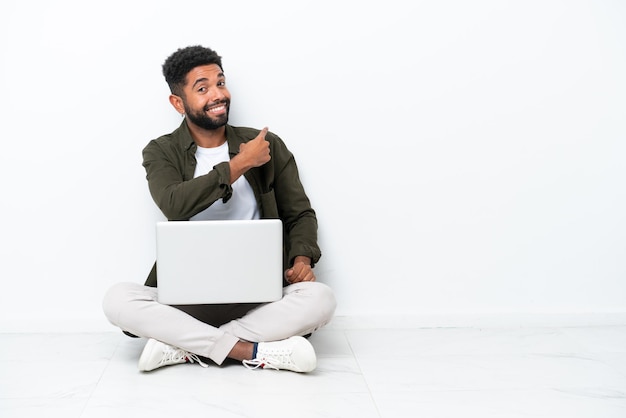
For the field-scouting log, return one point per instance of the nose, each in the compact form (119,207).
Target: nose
(217,94)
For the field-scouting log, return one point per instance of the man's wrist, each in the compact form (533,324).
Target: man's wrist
(302,259)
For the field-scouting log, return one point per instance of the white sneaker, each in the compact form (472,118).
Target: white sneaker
(156,354)
(294,353)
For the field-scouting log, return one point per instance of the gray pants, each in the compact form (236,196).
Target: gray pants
(212,331)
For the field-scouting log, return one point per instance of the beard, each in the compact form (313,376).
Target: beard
(201,119)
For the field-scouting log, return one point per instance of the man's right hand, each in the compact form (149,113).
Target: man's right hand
(253,153)
(256,151)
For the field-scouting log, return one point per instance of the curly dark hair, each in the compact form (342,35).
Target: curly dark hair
(177,66)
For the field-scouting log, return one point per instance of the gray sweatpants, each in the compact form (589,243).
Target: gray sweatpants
(304,308)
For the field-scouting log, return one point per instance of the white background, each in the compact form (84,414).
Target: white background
(464,157)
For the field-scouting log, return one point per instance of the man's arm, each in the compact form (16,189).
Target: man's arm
(294,208)
(178,197)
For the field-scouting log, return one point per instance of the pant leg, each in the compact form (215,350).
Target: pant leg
(304,308)
(134,308)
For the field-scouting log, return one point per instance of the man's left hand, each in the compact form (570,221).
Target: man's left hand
(301,271)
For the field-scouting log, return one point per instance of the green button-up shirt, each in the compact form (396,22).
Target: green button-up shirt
(170,164)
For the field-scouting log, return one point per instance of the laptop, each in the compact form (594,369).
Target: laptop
(210,262)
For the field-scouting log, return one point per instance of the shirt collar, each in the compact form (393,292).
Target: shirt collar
(186,142)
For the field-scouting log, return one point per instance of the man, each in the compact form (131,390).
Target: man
(207,169)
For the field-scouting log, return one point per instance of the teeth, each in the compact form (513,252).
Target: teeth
(217,109)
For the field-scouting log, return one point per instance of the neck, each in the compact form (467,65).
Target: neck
(207,138)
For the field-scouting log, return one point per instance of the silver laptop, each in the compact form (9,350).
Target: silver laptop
(206,262)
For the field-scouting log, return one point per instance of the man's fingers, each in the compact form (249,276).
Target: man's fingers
(300,274)
(262,134)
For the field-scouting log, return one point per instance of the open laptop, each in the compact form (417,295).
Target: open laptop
(207,262)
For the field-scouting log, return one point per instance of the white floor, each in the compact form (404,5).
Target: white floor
(391,373)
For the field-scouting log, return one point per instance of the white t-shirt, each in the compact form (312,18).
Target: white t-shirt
(242,204)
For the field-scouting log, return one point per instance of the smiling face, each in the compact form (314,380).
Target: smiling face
(205,100)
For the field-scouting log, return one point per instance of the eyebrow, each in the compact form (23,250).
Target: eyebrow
(203,79)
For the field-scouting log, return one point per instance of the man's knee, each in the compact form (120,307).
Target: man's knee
(326,299)
(321,302)
(116,298)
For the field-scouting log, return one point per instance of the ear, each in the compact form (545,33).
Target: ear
(177,102)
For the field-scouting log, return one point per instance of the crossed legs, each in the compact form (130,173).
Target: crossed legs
(304,308)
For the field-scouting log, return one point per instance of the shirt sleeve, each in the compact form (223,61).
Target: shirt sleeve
(175,192)
(294,207)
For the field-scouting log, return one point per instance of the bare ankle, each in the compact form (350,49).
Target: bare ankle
(242,351)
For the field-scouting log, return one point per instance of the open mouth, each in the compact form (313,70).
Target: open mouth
(216,109)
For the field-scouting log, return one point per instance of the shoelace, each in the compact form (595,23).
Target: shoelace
(262,363)
(272,360)
(192,357)
(173,355)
